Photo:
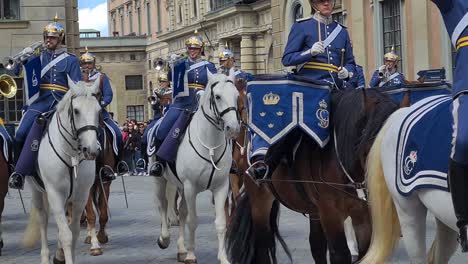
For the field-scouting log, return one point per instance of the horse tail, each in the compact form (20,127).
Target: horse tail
(385,223)
(240,240)
(32,233)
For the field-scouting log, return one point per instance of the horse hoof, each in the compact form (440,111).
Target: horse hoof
(95,251)
(87,240)
(163,244)
(56,261)
(102,238)
(181,257)
(190,261)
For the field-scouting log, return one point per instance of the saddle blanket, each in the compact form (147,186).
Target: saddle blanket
(278,104)
(424,143)
(150,137)
(418,91)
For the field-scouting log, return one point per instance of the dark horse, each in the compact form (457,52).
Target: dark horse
(106,164)
(4,175)
(312,181)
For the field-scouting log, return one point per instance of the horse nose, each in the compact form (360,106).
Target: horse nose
(88,154)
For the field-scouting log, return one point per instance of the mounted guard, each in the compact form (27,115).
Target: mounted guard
(321,50)
(91,74)
(46,82)
(189,77)
(228,61)
(455,15)
(387,75)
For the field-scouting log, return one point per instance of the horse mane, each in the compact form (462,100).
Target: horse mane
(76,89)
(357,117)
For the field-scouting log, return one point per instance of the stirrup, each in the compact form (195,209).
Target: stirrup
(122,169)
(16,181)
(252,170)
(156,169)
(140,165)
(107,177)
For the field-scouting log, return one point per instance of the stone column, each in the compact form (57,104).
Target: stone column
(248,54)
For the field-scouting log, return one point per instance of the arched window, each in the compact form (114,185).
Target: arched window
(298,12)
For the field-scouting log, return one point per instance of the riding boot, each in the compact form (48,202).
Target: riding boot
(157,168)
(16,180)
(458,184)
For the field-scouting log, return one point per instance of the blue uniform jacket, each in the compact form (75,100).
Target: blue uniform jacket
(397,80)
(358,80)
(187,81)
(57,74)
(303,36)
(455,17)
(106,89)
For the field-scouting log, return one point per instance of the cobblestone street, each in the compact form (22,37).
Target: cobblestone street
(133,231)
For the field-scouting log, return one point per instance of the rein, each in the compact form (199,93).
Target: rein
(217,121)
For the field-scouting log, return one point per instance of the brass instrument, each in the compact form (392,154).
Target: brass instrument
(10,62)
(8,86)
(153,99)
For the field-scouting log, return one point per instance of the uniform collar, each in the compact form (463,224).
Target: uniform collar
(323,19)
(56,51)
(195,61)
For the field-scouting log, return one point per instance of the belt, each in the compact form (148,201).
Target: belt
(196,86)
(321,66)
(462,42)
(54,87)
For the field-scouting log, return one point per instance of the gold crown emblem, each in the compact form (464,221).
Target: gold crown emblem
(323,104)
(271,99)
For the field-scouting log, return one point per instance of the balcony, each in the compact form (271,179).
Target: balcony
(220,4)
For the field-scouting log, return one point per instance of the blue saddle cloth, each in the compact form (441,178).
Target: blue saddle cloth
(424,143)
(279,103)
(418,91)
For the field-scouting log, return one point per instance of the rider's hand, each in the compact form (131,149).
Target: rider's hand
(343,73)
(317,48)
(383,68)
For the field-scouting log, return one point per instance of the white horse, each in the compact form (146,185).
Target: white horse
(70,140)
(394,215)
(203,161)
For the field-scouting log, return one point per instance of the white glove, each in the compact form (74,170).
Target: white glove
(383,68)
(343,73)
(317,48)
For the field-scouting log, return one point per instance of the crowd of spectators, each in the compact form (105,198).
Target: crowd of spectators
(132,131)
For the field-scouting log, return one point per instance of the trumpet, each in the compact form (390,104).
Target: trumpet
(8,86)
(153,99)
(10,62)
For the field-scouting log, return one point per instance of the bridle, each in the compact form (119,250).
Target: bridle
(217,120)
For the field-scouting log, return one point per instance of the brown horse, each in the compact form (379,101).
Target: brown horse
(99,197)
(4,175)
(312,181)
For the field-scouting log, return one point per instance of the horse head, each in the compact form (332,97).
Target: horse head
(220,102)
(79,112)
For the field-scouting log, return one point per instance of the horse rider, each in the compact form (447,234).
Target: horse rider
(159,106)
(326,58)
(387,75)
(455,15)
(189,79)
(358,81)
(56,65)
(91,74)
(227,61)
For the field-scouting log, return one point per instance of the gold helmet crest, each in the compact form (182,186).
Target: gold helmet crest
(195,41)
(391,56)
(226,54)
(163,77)
(54,29)
(87,57)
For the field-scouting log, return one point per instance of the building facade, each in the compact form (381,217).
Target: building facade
(21,24)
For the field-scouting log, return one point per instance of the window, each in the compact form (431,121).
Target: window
(195,11)
(139,20)
(132,57)
(11,109)
(122,26)
(9,9)
(298,12)
(218,4)
(136,112)
(158,8)
(392,28)
(148,19)
(133,82)
(149,64)
(180,15)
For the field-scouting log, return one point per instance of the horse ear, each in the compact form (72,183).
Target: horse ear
(232,74)
(71,83)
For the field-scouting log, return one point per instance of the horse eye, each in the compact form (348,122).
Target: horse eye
(217,97)
(76,111)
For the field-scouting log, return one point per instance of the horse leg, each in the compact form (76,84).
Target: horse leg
(181,250)
(39,216)
(361,222)
(444,245)
(91,238)
(172,196)
(192,221)
(57,203)
(103,212)
(220,196)
(165,238)
(412,214)
(317,241)
(332,222)
(351,239)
